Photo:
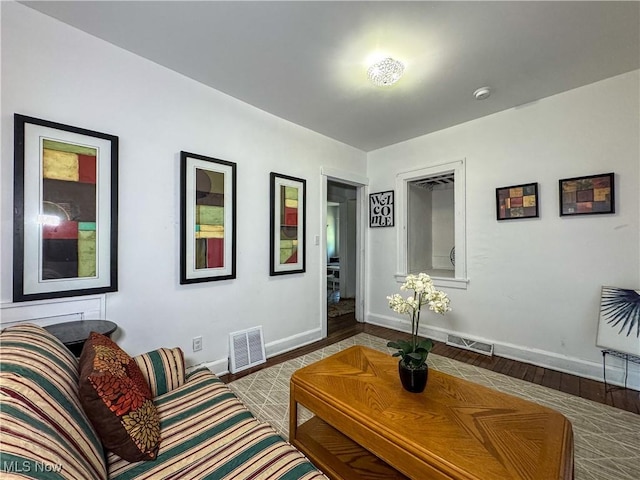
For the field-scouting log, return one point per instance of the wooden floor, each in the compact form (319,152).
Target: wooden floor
(346,326)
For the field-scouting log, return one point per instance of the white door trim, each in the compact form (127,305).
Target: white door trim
(362,185)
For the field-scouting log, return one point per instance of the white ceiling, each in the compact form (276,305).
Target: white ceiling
(306,61)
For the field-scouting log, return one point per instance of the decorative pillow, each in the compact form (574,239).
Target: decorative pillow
(116,398)
(163,369)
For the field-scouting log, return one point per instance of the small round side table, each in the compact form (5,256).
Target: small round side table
(74,334)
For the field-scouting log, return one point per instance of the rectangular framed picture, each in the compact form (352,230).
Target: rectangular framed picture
(288,225)
(65,239)
(590,195)
(207,219)
(517,201)
(381,209)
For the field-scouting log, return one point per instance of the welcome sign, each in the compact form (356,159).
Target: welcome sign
(381,209)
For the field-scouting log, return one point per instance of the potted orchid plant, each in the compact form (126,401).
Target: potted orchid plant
(413,353)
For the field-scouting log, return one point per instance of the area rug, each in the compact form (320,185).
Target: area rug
(344,306)
(607,440)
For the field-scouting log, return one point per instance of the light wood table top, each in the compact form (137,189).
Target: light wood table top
(455,429)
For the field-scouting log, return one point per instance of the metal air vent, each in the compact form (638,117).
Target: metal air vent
(246,349)
(469,344)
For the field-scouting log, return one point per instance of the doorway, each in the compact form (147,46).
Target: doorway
(341,255)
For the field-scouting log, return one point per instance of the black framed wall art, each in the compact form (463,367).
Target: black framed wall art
(65,210)
(517,201)
(594,194)
(381,209)
(287,246)
(207,219)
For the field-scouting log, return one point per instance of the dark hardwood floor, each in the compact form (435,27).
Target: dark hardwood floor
(346,326)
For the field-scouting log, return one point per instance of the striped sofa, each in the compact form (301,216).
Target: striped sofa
(207,433)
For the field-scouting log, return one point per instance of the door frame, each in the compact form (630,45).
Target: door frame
(361,184)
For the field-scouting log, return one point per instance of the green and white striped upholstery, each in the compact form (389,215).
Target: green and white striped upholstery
(163,369)
(44,432)
(207,433)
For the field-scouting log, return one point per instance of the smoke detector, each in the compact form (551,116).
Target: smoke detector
(482,93)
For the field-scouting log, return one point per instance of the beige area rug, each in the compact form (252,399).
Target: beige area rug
(607,440)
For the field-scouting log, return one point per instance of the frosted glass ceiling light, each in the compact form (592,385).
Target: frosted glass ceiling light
(385,72)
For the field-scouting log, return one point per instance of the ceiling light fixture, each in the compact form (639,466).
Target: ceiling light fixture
(385,72)
(482,93)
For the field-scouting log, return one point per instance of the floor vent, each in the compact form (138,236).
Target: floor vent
(246,349)
(468,344)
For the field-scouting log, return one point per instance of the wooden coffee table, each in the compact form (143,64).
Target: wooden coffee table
(367,427)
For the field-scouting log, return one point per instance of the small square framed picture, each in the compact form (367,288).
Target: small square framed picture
(590,195)
(517,201)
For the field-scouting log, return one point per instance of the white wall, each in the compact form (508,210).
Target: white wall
(443,228)
(55,72)
(534,284)
(333,243)
(350,250)
(420,232)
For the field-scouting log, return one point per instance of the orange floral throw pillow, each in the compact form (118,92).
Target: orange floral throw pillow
(117,399)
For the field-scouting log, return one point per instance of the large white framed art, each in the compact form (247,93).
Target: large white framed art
(207,219)
(65,210)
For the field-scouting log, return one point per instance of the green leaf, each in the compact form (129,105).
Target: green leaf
(404,344)
(425,345)
(400,345)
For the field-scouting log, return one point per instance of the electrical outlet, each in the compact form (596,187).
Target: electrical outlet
(197,344)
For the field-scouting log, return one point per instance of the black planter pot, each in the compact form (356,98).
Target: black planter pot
(413,380)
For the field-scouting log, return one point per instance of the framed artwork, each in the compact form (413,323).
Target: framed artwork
(65,223)
(587,195)
(619,322)
(288,220)
(517,201)
(207,219)
(381,209)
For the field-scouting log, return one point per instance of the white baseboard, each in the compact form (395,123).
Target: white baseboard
(221,367)
(291,343)
(542,358)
